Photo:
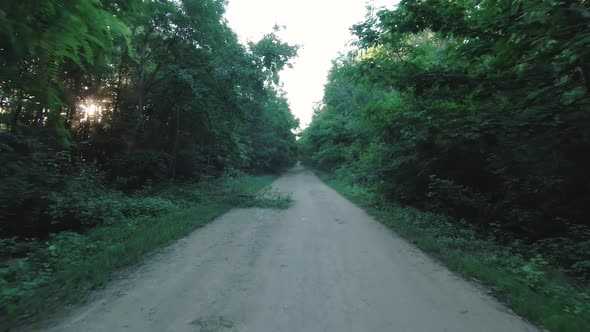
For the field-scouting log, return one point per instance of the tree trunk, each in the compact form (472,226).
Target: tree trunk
(119,83)
(141,85)
(175,151)
(17,112)
(585,67)
(71,113)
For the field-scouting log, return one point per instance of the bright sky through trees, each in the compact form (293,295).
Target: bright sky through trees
(320,26)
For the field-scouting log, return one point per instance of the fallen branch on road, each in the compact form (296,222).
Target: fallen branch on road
(259,194)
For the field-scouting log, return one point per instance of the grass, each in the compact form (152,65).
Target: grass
(269,200)
(70,265)
(516,275)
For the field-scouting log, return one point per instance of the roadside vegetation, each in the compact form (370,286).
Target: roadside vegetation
(467,124)
(515,273)
(65,267)
(124,124)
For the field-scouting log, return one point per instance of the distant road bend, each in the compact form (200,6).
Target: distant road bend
(322,265)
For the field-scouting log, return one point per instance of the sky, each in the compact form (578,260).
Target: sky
(320,27)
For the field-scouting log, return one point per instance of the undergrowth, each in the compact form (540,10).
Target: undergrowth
(516,273)
(37,277)
(270,200)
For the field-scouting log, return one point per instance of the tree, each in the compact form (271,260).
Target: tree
(471,108)
(117,93)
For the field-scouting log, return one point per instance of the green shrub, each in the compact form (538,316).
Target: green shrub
(129,171)
(526,277)
(84,203)
(148,206)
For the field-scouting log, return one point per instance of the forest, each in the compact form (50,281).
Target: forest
(104,97)
(126,124)
(107,107)
(475,109)
(478,110)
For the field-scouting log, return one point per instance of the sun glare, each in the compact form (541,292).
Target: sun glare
(90,111)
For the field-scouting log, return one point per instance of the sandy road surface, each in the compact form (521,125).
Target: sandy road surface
(322,265)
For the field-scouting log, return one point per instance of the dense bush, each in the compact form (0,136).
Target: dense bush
(134,169)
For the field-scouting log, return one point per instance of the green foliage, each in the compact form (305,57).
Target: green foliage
(148,206)
(76,209)
(109,110)
(134,169)
(100,97)
(515,272)
(475,109)
(273,54)
(39,37)
(36,277)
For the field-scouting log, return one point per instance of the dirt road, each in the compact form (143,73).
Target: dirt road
(322,265)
